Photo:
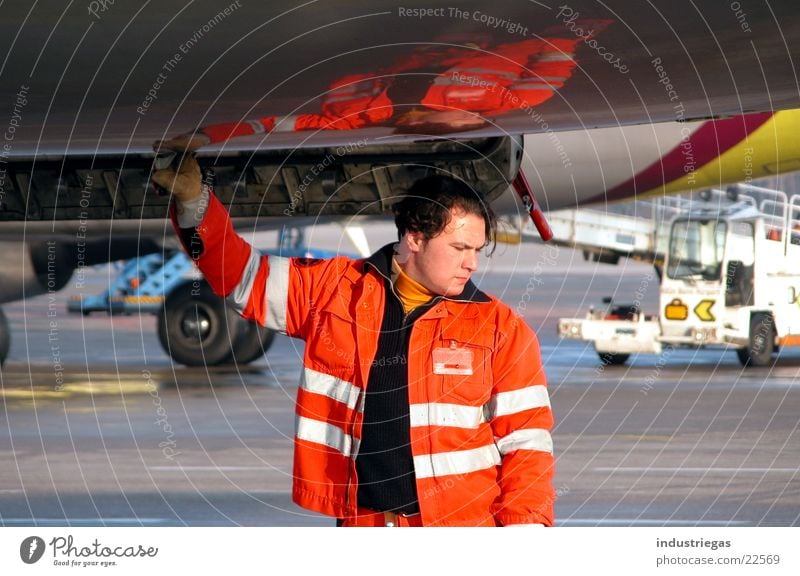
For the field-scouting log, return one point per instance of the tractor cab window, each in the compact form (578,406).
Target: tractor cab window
(696,249)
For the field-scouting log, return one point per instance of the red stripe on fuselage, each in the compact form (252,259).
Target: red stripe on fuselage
(710,141)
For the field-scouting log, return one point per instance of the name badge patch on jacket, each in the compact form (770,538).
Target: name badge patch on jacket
(452,360)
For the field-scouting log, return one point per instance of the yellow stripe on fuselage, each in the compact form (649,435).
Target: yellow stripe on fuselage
(771,149)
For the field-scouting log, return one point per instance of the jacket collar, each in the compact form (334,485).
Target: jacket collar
(381,262)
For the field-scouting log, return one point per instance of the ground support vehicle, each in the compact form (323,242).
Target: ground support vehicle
(728,277)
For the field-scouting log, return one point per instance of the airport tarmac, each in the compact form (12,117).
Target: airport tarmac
(99,428)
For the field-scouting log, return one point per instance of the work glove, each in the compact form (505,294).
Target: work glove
(184,143)
(183,182)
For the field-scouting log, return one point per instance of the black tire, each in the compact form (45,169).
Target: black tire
(5,337)
(195,327)
(743,355)
(252,344)
(762,341)
(613,358)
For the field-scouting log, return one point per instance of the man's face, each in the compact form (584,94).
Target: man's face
(444,263)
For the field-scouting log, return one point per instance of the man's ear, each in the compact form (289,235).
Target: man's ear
(413,241)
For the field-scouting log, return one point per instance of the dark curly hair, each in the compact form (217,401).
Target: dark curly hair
(427,205)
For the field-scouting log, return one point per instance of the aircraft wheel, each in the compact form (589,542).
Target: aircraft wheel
(613,358)
(195,327)
(762,341)
(252,344)
(5,337)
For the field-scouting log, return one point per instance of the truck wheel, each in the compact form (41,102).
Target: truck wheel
(195,327)
(743,355)
(762,341)
(5,337)
(252,344)
(613,358)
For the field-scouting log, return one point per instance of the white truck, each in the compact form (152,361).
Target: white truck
(730,276)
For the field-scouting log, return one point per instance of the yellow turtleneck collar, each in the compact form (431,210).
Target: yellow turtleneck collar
(411,292)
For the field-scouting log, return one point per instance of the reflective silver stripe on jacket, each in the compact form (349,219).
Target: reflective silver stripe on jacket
(454,415)
(526,439)
(258,127)
(488,72)
(458,462)
(322,433)
(342,95)
(240,295)
(277,293)
(330,386)
(285,123)
(555,57)
(506,403)
(532,86)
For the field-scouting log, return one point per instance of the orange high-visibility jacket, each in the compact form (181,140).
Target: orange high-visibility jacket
(480,442)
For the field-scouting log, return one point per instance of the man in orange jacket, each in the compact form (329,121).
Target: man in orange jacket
(423,400)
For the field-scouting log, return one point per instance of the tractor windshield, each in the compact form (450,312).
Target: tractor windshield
(696,249)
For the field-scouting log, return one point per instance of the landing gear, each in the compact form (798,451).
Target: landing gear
(5,337)
(196,328)
(252,343)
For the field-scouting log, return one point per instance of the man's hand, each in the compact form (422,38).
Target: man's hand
(183,143)
(185,184)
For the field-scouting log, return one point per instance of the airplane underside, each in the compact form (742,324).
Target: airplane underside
(61,214)
(348,180)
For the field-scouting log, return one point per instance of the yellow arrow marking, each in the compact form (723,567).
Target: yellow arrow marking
(703,310)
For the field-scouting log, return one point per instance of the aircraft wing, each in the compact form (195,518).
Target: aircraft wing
(319,108)
(104,77)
